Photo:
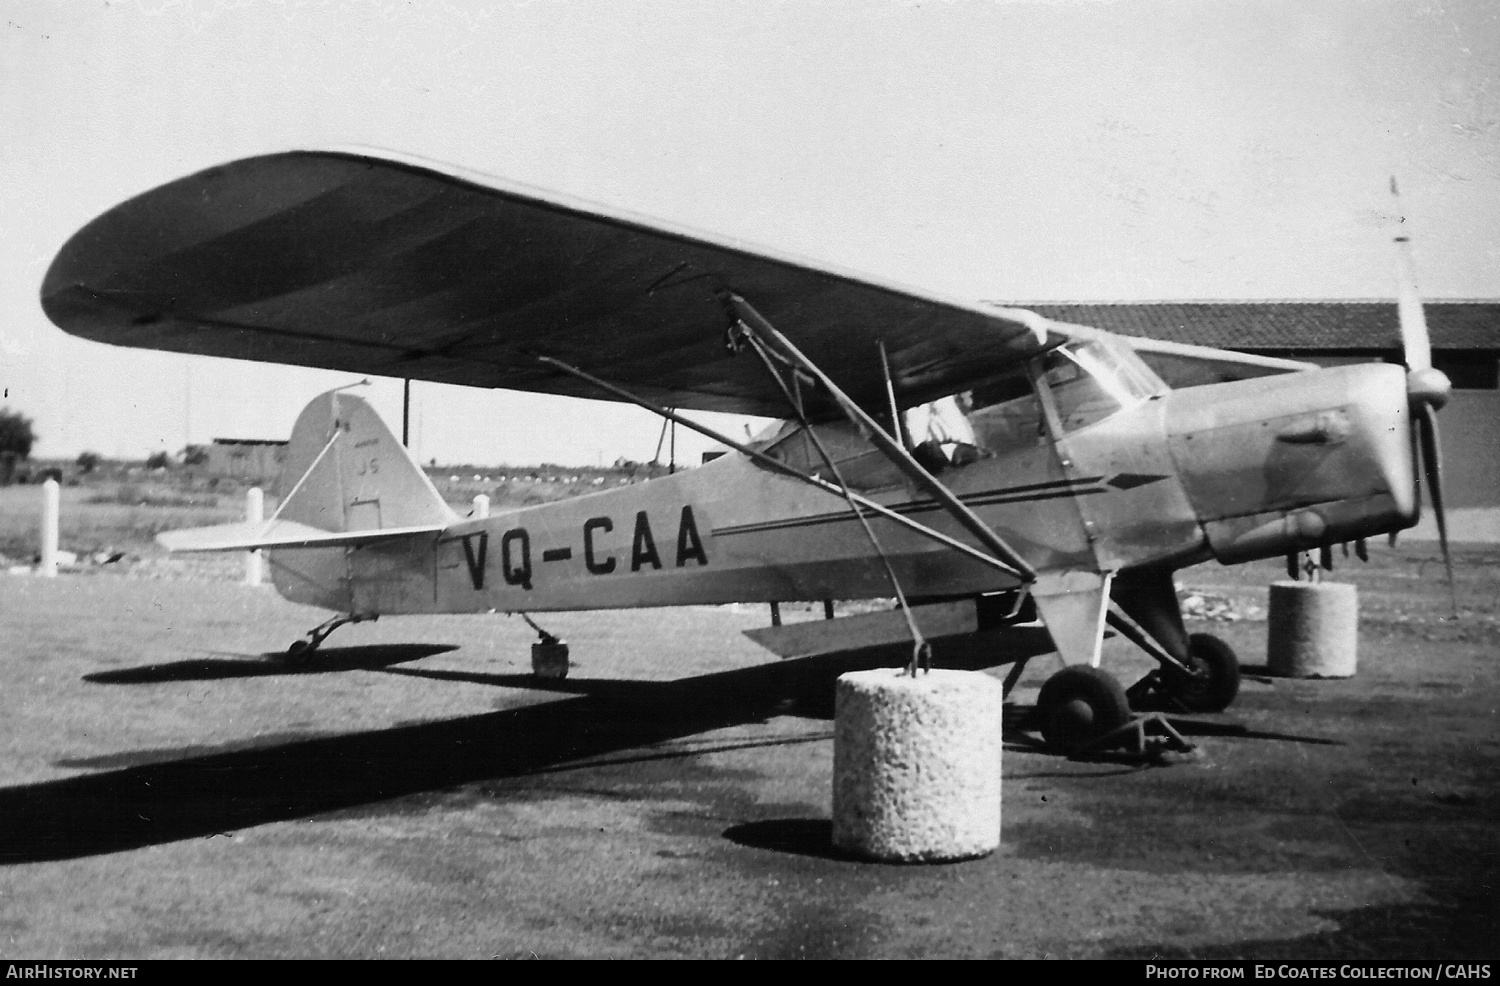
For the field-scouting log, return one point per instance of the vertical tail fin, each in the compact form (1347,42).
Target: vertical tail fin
(345,471)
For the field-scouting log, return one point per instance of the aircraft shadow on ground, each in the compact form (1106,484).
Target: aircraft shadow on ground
(205,795)
(201,796)
(333,659)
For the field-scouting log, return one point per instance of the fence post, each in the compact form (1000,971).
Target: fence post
(481,506)
(254,513)
(50,496)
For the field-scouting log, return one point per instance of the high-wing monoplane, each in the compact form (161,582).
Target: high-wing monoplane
(983,465)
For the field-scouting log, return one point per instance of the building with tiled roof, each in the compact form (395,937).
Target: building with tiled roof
(1365,326)
(1465,334)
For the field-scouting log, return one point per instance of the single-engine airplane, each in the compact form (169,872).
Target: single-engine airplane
(984,465)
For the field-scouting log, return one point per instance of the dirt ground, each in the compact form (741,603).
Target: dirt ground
(169,789)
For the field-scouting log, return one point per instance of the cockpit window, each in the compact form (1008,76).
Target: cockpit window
(1089,382)
(1005,413)
(860,464)
(940,433)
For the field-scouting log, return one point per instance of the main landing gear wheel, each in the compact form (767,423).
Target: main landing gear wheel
(1215,678)
(1080,704)
(297,654)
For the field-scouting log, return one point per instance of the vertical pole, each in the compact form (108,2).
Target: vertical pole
(406,413)
(775,613)
(50,495)
(187,404)
(660,441)
(255,512)
(481,506)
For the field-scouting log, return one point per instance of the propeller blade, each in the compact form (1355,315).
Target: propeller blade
(1361,550)
(1432,466)
(1325,557)
(1292,566)
(1416,346)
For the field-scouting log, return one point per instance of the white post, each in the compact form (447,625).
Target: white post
(50,494)
(481,506)
(255,507)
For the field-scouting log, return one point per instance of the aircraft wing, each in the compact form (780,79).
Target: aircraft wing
(1192,342)
(379,264)
(1185,365)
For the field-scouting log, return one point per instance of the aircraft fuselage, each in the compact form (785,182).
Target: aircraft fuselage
(1171,481)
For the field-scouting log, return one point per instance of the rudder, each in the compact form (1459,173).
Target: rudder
(345,471)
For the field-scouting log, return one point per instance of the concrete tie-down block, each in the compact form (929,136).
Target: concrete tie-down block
(916,765)
(1313,629)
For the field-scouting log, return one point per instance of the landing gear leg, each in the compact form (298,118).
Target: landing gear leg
(549,655)
(1199,672)
(1082,703)
(1012,676)
(301,650)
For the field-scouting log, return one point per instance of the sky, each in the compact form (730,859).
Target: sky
(1014,151)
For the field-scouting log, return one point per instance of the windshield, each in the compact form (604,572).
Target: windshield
(1090,381)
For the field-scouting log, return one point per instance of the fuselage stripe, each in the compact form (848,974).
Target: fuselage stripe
(1016,494)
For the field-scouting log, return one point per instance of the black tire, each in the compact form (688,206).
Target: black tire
(298,653)
(1216,675)
(1079,704)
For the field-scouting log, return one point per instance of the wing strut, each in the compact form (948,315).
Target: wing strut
(752,326)
(783,468)
(921,654)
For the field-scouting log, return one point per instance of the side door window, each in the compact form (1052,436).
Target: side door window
(1006,414)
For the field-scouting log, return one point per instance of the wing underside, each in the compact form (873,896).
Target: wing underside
(1182,365)
(376,263)
(381,265)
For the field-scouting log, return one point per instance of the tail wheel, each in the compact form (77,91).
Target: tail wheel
(297,654)
(1080,704)
(1215,678)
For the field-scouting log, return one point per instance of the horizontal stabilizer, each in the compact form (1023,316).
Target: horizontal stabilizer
(252,536)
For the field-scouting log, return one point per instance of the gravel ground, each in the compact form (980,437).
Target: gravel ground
(169,789)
